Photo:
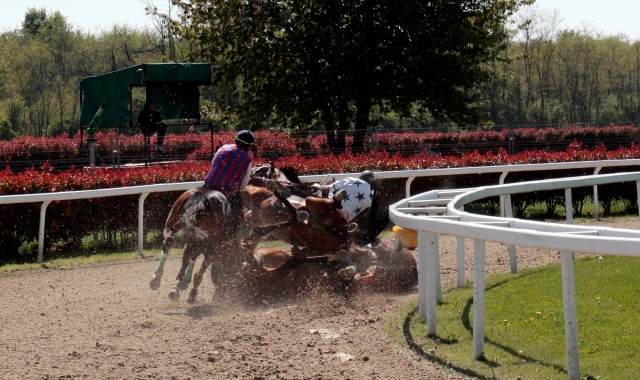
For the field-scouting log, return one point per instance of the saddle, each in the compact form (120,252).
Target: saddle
(325,230)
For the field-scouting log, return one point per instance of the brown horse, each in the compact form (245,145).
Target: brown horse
(327,230)
(210,231)
(276,274)
(203,217)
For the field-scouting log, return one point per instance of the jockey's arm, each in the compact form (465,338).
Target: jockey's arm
(324,189)
(247,176)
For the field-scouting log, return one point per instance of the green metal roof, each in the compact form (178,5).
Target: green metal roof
(172,86)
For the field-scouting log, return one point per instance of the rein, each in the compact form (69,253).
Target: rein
(271,179)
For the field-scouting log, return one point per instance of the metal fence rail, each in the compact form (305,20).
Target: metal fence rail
(409,175)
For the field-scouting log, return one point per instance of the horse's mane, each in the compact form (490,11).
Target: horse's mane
(291,174)
(197,206)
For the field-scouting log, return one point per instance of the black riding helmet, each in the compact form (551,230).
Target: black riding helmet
(245,137)
(367,176)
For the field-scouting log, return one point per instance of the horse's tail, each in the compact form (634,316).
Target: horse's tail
(198,206)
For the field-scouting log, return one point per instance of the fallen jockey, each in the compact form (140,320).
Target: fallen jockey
(323,226)
(346,199)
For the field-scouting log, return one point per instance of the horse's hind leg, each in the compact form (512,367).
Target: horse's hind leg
(183,278)
(197,280)
(167,243)
(186,270)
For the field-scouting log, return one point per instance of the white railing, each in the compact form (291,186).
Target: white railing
(424,213)
(410,175)
(47,198)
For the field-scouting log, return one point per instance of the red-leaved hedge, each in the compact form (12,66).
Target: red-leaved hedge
(70,221)
(273,145)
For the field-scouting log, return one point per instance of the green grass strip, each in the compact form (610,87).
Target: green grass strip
(524,324)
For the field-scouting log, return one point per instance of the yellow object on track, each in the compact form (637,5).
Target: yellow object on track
(409,237)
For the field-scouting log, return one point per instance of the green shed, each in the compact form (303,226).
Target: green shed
(172,86)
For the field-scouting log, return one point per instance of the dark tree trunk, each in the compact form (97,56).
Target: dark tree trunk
(363,97)
(343,126)
(362,123)
(336,141)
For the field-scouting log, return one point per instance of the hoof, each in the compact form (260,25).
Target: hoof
(347,273)
(302,216)
(154,284)
(192,295)
(183,285)
(174,294)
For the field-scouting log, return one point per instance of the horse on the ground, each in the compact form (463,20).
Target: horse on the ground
(326,231)
(276,274)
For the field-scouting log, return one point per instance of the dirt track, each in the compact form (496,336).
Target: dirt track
(105,323)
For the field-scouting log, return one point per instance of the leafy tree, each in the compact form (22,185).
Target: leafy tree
(6,133)
(334,59)
(34,20)
(42,62)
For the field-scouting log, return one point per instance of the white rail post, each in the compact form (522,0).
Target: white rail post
(43,213)
(595,196)
(478,299)
(502,197)
(422,274)
(407,187)
(513,257)
(569,298)
(143,196)
(570,315)
(638,195)
(461,264)
(507,211)
(568,206)
(437,270)
(433,275)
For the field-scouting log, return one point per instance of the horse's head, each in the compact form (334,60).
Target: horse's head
(204,213)
(287,176)
(263,172)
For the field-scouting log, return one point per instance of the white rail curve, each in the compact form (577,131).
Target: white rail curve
(441,212)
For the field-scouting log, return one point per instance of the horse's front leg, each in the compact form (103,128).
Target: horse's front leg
(197,280)
(183,278)
(167,243)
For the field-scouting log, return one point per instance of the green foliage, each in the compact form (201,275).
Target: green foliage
(303,60)
(524,324)
(43,62)
(548,75)
(6,133)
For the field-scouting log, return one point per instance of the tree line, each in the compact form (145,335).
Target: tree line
(335,65)
(550,75)
(42,62)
